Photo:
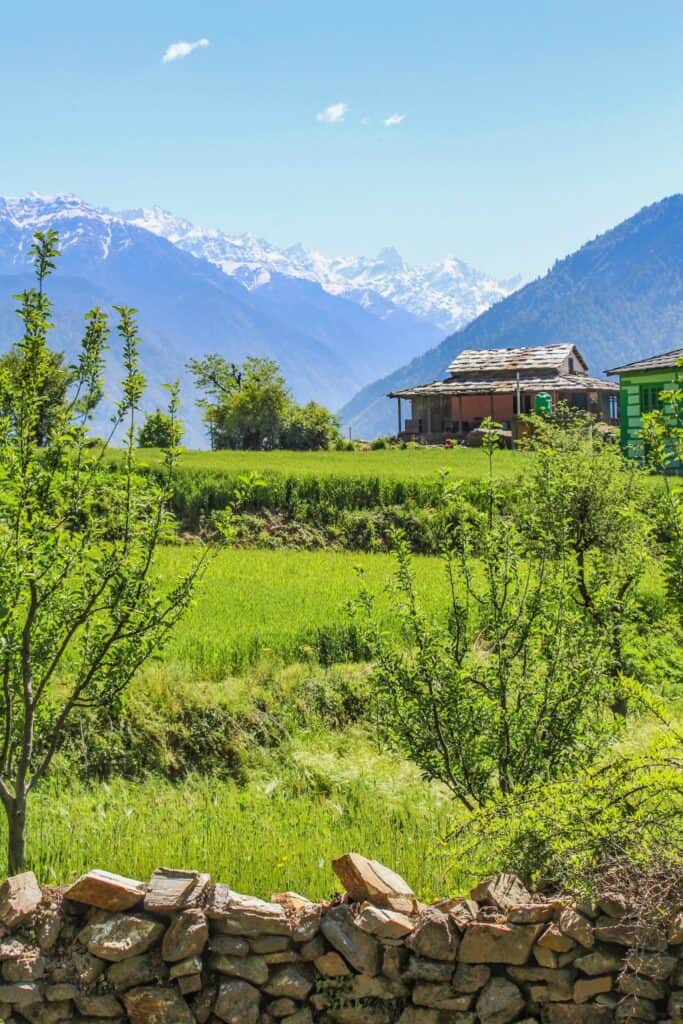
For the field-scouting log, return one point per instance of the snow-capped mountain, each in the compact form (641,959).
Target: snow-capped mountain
(447,295)
(327,345)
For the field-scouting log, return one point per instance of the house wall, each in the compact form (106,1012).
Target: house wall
(630,412)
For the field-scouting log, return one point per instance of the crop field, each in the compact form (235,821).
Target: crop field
(388,463)
(281,606)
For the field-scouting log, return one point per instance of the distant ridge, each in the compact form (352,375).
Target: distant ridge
(618,298)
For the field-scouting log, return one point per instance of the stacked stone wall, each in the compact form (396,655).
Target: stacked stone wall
(180,949)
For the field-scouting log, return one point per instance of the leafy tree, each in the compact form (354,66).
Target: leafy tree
(80,606)
(250,407)
(160,430)
(58,377)
(310,426)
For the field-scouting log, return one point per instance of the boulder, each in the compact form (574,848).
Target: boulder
(332,965)
(485,943)
(600,961)
(440,997)
(29,967)
(21,993)
(369,880)
(193,965)
(231,945)
(420,969)
(577,927)
(531,913)
(552,938)
(499,1002)
(434,936)
(568,1013)
(123,935)
(106,890)
(269,943)
(235,914)
(250,968)
(170,890)
(384,924)
(98,1006)
(502,891)
(589,988)
(20,897)
(289,981)
(470,977)
(653,965)
(186,936)
(237,1002)
(155,1005)
(136,971)
(361,950)
(282,1007)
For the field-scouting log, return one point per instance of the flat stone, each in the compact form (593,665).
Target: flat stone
(470,977)
(88,967)
(577,927)
(653,965)
(282,1007)
(485,943)
(384,924)
(421,969)
(552,938)
(12,949)
(171,890)
(434,937)
(499,1002)
(332,965)
(418,1015)
(588,988)
(394,959)
(251,968)
(50,1013)
(269,943)
(289,981)
(193,965)
(627,934)
(369,880)
(60,993)
(137,971)
(98,1006)
(20,897)
(237,1002)
(235,914)
(231,945)
(361,950)
(124,935)
(186,936)
(531,913)
(599,962)
(20,994)
(568,1013)
(106,890)
(312,949)
(502,891)
(155,1005)
(632,1009)
(29,967)
(440,997)
(635,985)
(362,986)
(190,983)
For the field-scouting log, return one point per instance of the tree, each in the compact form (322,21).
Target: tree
(159,430)
(80,606)
(250,406)
(58,377)
(310,426)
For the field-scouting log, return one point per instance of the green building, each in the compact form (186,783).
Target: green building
(640,388)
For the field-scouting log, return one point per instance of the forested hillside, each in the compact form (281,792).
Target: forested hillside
(619,298)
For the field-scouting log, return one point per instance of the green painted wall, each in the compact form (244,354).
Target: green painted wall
(630,404)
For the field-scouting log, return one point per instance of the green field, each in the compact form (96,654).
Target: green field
(387,463)
(280,606)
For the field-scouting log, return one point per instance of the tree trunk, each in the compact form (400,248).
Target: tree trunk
(16,835)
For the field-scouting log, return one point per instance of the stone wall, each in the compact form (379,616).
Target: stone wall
(180,949)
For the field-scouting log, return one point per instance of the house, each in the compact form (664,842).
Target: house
(641,386)
(502,383)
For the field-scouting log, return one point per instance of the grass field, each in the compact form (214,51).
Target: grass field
(388,463)
(280,606)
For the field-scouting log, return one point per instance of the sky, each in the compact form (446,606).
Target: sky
(506,133)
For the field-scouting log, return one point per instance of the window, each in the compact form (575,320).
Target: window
(613,407)
(649,397)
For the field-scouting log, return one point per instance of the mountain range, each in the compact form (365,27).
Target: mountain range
(618,298)
(334,325)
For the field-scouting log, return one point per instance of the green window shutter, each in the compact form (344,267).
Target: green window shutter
(649,397)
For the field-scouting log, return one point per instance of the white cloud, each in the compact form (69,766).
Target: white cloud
(394,119)
(333,114)
(182,49)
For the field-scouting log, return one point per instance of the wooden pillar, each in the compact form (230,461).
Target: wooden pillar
(460,421)
(429,417)
(491,405)
(400,424)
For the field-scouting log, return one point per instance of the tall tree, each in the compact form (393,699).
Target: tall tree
(81,608)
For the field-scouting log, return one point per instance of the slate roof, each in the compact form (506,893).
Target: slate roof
(663,361)
(496,386)
(509,360)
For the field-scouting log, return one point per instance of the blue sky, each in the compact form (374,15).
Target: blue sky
(527,127)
